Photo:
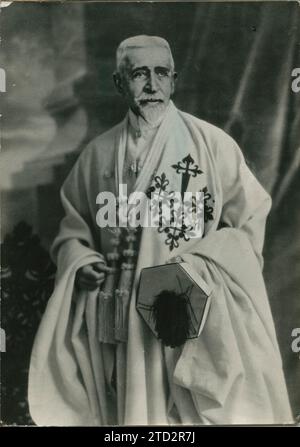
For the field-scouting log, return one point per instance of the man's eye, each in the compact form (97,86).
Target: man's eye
(139,75)
(162,73)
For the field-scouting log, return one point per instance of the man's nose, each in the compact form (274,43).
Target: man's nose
(151,84)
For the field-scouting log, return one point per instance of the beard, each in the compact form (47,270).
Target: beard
(152,112)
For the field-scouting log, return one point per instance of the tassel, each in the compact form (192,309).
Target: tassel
(171,318)
(121,315)
(106,318)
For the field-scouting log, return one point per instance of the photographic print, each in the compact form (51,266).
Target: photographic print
(150,249)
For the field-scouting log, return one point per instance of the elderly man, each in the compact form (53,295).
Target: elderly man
(81,372)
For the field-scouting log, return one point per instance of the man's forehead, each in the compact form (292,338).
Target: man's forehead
(137,49)
(148,56)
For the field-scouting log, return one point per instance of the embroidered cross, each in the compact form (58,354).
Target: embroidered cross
(176,230)
(187,168)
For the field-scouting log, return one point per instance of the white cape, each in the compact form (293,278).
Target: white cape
(232,373)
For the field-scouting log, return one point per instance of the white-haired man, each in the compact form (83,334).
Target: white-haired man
(232,373)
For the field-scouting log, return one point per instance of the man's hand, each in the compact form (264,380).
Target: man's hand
(91,276)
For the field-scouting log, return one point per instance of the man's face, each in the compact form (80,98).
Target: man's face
(147,81)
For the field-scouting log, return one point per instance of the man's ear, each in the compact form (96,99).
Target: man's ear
(118,82)
(174,81)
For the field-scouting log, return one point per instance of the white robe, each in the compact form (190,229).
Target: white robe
(232,373)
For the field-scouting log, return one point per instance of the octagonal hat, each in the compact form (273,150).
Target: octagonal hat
(177,278)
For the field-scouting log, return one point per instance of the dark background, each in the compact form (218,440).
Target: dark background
(234,62)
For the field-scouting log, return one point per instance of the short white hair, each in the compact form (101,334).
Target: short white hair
(141,41)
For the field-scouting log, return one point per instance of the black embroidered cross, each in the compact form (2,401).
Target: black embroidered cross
(172,223)
(187,168)
(176,230)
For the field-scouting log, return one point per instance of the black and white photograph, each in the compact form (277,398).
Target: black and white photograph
(150,242)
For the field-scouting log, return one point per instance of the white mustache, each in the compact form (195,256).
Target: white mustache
(150,99)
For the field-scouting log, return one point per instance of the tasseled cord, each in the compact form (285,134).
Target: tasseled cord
(171,318)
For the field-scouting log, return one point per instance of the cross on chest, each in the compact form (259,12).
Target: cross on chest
(187,167)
